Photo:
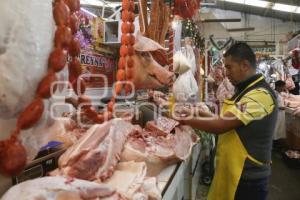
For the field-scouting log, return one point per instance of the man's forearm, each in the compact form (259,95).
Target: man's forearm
(204,125)
(216,125)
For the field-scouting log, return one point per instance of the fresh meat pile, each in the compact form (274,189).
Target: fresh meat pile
(97,153)
(159,151)
(60,188)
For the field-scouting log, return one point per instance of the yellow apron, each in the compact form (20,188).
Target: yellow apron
(230,158)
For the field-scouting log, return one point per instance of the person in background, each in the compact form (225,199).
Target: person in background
(245,129)
(279,134)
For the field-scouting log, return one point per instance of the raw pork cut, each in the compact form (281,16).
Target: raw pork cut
(159,152)
(59,188)
(132,175)
(96,154)
(134,183)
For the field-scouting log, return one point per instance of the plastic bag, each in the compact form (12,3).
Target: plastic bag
(185,87)
(180,63)
(190,55)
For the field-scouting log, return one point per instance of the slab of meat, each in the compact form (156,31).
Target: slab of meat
(96,154)
(59,188)
(161,126)
(185,137)
(134,184)
(150,188)
(159,152)
(132,175)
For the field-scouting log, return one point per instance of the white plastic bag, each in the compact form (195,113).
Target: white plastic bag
(190,55)
(185,87)
(180,63)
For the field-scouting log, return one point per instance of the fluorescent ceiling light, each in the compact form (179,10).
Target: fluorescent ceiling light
(90,13)
(257,3)
(92,2)
(284,7)
(100,3)
(267,4)
(298,10)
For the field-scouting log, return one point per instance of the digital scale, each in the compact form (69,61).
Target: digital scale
(45,162)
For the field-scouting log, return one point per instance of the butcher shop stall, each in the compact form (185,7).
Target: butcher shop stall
(87,96)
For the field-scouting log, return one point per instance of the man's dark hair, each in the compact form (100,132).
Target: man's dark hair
(241,51)
(279,83)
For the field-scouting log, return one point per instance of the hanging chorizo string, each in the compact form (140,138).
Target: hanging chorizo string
(12,152)
(171,37)
(126,63)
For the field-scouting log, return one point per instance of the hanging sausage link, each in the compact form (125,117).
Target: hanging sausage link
(126,63)
(12,153)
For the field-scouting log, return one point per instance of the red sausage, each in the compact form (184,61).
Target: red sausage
(61,13)
(110,105)
(130,62)
(122,63)
(121,75)
(74,23)
(12,157)
(99,118)
(57,59)
(74,5)
(63,36)
(32,114)
(44,88)
(74,49)
(75,67)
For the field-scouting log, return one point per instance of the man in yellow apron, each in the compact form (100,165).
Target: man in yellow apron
(245,128)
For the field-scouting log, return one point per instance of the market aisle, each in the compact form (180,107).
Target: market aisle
(285,182)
